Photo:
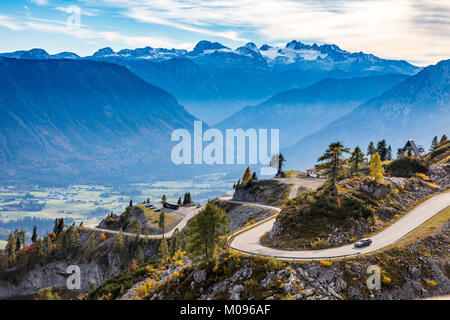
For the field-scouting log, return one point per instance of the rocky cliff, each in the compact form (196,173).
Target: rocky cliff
(102,263)
(415,271)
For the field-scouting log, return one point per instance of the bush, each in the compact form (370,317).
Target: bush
(314,216)
(47,294)
(405,167)
(326,263)
(385,279)
(274,264)
(432,283)
(320,243)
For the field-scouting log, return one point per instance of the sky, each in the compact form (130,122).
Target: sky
(412,30)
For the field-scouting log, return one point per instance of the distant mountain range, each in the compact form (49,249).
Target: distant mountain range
(299,112)
(109,117)
(417,108)
(213,81)
(69,121)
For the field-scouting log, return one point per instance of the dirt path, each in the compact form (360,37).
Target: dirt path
(310,183)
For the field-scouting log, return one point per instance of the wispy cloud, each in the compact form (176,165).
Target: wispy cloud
(395,29)
(9,23)
(415,30)
(60,27)
(40,2)
(84,12)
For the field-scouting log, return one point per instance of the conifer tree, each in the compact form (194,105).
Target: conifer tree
(147,236)
(135,228)
(444,138)
(254,176)
(207,227)
(382,149)
(11,246)
(34,236)
(371,149)
(91,245)
(389,153)
(356,159)
(163,198)
(333,162)
(434,143)
(376,168)
(59,226)
(162,222)
(179,201)
(163,251)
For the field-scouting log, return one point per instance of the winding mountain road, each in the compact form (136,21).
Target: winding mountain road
(248,240)
(187,212)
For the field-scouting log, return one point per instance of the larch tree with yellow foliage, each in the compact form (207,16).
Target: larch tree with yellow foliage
(247,176)
(376,169)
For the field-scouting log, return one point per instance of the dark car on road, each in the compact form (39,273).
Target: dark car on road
(363,243)
(170,206)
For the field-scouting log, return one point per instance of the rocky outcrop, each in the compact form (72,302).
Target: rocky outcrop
(242,215)
(55,275)
(416,271)
(102,264)
(440,174)
(270,192)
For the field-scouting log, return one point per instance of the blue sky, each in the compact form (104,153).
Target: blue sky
(417,31)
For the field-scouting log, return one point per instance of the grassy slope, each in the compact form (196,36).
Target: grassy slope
(441,154)
(153,217)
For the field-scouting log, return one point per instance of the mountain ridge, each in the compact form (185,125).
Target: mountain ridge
(297,112)
(83,120)
(418,108)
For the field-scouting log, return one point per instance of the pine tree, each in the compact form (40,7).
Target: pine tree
(147,236)
(334,163)
(207,227)
(189,199)
(20,236)
(131,203)
(376,168)
(356,159)
(11,246)
(162,222)
(179,201)
(254,176)
(371,149)
(163,198)
(135,227)
(91,245)
(59,226)
(444,138)
(434,143)
(247,176)
(163,251)
(34,236)
(389,153)
(382,149)
(176,242)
